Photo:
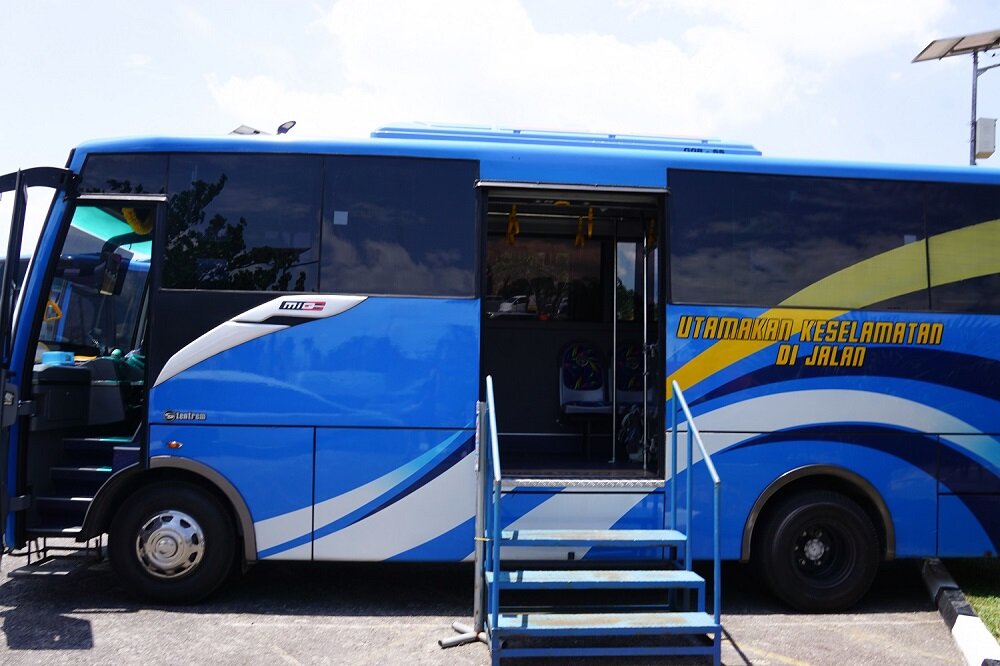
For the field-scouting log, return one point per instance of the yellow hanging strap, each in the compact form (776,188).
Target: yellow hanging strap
(650,234)
(142,223)
(580,238)
(53,308)
(513,226)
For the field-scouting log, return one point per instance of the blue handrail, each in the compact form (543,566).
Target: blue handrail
(695,437)
(492,487)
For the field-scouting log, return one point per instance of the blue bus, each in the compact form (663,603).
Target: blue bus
(235,349)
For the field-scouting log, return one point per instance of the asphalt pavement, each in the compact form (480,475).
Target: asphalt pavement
(339,613)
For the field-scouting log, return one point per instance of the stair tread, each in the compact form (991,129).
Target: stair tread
(570,624)
(53,567)
(585,579)
(71,530)
(512,483)
(110,439)
(82,469)
(544,537)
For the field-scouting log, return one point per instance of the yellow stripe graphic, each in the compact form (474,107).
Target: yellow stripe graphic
(957,255)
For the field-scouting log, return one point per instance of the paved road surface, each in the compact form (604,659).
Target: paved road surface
(283,613)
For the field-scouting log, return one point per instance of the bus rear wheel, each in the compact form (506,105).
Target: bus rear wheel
(819,552)
(172,543)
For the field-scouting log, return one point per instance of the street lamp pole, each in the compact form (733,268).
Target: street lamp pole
(976,72)
(972,122)
(974,44)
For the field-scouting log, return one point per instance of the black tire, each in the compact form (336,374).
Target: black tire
(172,543)
(818,552)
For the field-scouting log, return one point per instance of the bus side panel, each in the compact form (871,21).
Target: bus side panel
(969,526)
(886,395)
(271,467)
(389,362)
(969,510)
(970,464)
(389,387)
(899,468)
(394,493)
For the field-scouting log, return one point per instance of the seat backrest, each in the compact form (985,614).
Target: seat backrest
(628,373)
(582,374)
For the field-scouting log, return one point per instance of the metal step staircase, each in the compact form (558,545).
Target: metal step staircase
(648,607)
(78,470)
(84,465)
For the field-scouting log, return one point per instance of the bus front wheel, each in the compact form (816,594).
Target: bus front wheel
(818,552)
(172,543)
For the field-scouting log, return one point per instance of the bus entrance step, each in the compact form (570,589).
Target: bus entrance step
(580,579)
(604,624)
(608,635)
(55,566)
(626,538)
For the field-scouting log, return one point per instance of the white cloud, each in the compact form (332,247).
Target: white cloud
(727,65)
(136,60)
(827,30)
(264,103)
(195,20)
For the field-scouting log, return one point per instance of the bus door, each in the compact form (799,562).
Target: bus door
(80,349)
(570,325)
(17,183)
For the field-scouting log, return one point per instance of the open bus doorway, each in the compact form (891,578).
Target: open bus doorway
(87,385)
(572,335)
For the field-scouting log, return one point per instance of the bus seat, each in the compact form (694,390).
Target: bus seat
(634,405)
(628,376)
(106,404)
(582,383)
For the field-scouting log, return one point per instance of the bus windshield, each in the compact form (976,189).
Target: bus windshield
(95,301)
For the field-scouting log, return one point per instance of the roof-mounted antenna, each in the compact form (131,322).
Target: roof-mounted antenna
(247,130)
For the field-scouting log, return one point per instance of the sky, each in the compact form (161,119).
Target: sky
(821,79)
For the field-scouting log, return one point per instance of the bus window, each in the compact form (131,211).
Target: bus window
(751,239)
(248,223)
(399,226)
(144,173)
(544,278)
(99,283)
(962,222)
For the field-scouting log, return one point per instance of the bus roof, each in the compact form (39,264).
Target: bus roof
(556,138)
(543,156)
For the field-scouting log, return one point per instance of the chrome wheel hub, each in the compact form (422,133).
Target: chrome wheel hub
(170,544)
(814,550)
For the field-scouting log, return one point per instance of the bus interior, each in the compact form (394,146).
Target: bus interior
(571,332)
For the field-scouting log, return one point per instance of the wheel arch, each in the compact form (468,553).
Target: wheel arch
(169,468)
(829,477)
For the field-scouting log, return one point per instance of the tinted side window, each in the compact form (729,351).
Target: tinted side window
(137,173)
(402,226)
(767,240)
(963,222)
(547,279)
(243,222)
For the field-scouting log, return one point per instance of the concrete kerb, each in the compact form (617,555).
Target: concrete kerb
(973,639)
